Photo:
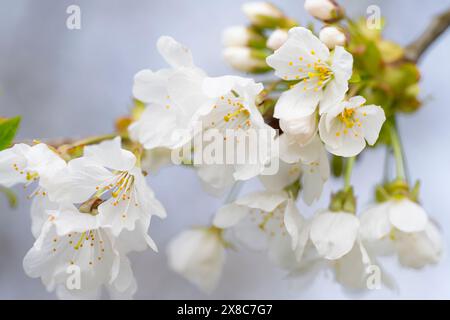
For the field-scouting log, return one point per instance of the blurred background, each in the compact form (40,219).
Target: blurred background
(74,83)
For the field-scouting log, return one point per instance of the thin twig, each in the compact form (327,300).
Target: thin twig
(438,25)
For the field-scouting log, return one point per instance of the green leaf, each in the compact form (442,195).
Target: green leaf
(8,129)
(10,196)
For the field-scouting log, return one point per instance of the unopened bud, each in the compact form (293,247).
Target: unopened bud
(246,59)
(276,39)
(240,36)
(266,15)
(303,128)
(325,10)
(343,200)
(332,37)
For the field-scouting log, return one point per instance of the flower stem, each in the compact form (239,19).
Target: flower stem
(397,148)
(348,173)
(92,140)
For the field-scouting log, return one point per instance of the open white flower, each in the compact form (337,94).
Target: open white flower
(198,255)
(111,174)
(334,234)
(266,221)
(76,257)
(231,115)
(313,161)
(402,226)
(24,164)
(334,244)
(346,129)
(172,97)
(323,76)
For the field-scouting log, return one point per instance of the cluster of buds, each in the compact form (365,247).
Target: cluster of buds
(247,47)
(329,12)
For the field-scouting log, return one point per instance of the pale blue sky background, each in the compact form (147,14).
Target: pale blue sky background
(75,83)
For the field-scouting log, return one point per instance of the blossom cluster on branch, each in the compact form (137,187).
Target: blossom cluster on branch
(330,96)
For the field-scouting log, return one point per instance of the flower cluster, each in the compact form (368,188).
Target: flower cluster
(87,215)
(92,204)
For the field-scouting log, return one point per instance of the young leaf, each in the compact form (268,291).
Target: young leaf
(8,129)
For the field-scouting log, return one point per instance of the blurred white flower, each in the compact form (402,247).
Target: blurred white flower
(323,77)
(334,234)
(334,245)
(326,10)
(172,97)
(267,220)
(76,257)
(402,226)
(198,255)
(24,164)
(345,129)
(332,37)
(232,113)
(110,173)
(315,167)
(277,39)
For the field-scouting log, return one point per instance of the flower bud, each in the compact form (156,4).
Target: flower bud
(343,200)
(266,15)
(332,37)
(303,128)
(246,59)
(276,39)
(240,36)
(325,10)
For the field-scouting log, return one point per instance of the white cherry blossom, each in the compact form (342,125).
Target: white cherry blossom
(111,174)
(334,245)
(38,164)
(231,113)
(313,160)
(346,130)
(268,221)
(24,164)
(172,97)
(322,76)
(198,255)
(76,257)
(402,226)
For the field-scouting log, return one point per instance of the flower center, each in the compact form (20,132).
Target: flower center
(120,188)
(271,223)
(350,121)
(230,113)
(89,240)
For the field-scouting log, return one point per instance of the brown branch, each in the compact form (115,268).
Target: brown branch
(438,25)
